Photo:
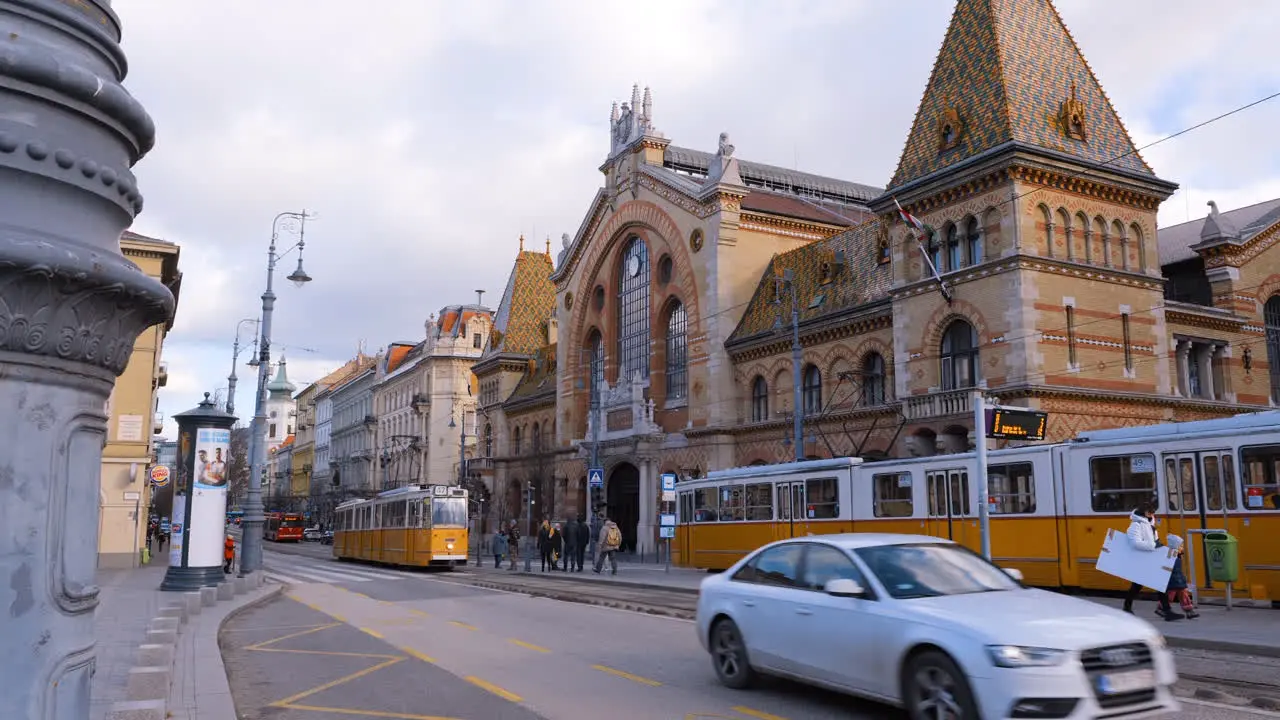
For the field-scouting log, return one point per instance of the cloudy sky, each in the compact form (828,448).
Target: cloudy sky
(428,136)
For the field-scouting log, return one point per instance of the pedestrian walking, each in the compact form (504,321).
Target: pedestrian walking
(228,554)
(544,543)
(557,546)
(513,544)
(1143,535)
(499,548)
(1177,589)
(610,541)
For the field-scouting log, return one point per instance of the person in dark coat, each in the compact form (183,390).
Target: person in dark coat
(544,544)
(1177,590)
(582,542)
(570,545)
(556,539)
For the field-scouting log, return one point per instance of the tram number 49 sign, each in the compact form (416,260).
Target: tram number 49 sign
(1016,424)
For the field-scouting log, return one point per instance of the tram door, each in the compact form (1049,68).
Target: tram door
(951,508)
(792,521)
(1200,489)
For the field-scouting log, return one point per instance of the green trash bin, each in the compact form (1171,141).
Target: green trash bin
(1224,563)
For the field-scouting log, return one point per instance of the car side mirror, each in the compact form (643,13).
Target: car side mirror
(844,587)
(1014,573)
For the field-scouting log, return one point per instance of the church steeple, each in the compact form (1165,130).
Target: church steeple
(1010,74)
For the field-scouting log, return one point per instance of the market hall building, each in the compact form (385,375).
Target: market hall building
(660,335)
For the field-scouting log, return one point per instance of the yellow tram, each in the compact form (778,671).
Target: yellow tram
(1050,505)
(414,526)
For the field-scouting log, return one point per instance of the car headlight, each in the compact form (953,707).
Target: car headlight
(1014,656)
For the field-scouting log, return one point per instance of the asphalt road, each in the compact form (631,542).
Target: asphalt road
(469,652)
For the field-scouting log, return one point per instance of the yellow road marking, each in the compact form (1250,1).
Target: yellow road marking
(366,713)
(277,627)
(335,653)
(424,658)
(504,694)
(353,592)
(528,646)
(333,683)
(417,612)
(262,645)
(462,625)
(627,675)
(756,713)
(339,618)
(374,633)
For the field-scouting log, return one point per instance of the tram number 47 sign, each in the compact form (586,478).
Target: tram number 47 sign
(1016,424)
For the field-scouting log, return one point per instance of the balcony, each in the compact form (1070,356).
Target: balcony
(370,420)
(162,375)
(948,403)
(157,423)
(480,464)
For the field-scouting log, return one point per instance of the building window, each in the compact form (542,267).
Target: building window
(955,256)
(759,400)
(475,340)
(271,430)
(1072,360)
(973,241)
(677,353)
(1271,319)
(811,391)
(515,441)
(873,380)
(935,253)
(488,440)
(633,311)
(537,439)
(1128,341)
(959,356)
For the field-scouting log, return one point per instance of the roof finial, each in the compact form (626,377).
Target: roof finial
(548,246)
(521,242)
(1073,89)
(647,106)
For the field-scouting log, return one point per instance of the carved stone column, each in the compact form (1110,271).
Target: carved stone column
(71,307)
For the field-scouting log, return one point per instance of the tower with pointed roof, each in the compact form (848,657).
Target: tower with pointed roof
(280,407)
(1038,277)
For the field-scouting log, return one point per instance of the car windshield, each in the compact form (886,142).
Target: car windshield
(930,570)
(449,512)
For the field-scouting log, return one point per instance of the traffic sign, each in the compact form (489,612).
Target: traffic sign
(595,477)
(160,475)
(667,519)
(667,531)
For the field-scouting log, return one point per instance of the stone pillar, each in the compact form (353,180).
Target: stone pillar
(1204,359)
(1181,351)
(71,307)
(648,506)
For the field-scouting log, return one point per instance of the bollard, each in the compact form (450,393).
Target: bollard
(138,710)
(154,656)
(226,591)
(178,612)
(208,596)
(166,624)
(240,585)
(162,637)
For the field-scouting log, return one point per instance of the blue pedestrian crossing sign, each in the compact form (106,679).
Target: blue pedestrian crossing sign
(595,477)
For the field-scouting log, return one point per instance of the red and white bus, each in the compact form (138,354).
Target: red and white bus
(283,527)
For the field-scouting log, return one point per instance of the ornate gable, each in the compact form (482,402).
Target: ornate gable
(1009,71)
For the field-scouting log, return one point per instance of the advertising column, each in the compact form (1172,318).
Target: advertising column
(199,498)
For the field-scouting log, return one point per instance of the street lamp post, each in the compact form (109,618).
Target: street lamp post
(787,282)
(235,358)
(71,308)
(251,555)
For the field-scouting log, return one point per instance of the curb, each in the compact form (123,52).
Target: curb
(236,611)
(585,600)
(609,583)
(1224,646)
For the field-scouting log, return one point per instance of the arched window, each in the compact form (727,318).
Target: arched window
(873,380)
(955,253)
(677,352)
(515,441)
(959,356)
(537,439)
(759,400)
(811,391)
(633,311)
(488,440)
(1271,318)
(973,241)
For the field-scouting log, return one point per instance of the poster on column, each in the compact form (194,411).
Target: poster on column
(209,498)
(175,530)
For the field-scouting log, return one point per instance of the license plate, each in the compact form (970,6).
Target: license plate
(1126,682)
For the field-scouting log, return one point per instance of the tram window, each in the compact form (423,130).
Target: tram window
(731,503)
(760,501)
(706,506)
(1219,483)
(415,514)
(686,508)
(823,499)
(892,495)
(1260,477)
(1180,484)
(1012,489)
(393,515)
(1122,483)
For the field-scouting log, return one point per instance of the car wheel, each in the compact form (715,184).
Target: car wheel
(934,688)
(729,655)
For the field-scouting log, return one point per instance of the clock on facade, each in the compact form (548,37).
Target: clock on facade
(633,266)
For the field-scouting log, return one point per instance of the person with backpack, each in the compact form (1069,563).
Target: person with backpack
(610,541)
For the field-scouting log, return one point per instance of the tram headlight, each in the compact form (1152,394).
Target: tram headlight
(448,546)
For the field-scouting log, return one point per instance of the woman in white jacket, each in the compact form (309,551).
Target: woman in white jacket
(1142,534)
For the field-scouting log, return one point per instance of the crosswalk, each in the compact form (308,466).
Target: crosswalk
(288,569)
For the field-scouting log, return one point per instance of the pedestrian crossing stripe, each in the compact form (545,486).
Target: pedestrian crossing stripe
(295,571)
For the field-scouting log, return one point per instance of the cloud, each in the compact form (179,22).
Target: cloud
(429,136)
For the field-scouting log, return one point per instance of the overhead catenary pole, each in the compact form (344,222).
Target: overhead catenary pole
(797,360)
(984,490)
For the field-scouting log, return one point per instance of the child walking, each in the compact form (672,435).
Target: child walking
(1177,589)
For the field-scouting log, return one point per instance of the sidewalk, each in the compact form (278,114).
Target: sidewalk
(128,601)
(1244,630)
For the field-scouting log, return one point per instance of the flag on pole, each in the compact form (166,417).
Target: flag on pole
(922,231)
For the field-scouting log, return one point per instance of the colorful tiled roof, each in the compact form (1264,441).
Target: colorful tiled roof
(861,279)
(1006,67)
(454,318)
(541,378)
(528,302)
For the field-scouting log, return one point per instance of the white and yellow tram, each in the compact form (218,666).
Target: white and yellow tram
(1050,505)
(415,526)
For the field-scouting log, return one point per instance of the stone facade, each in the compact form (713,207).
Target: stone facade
(1036,275)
